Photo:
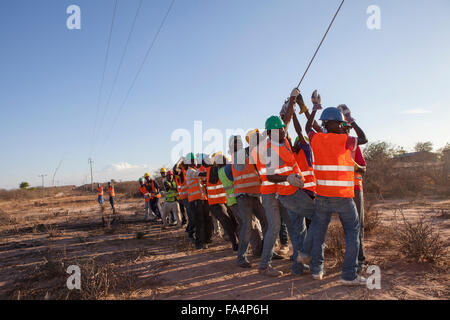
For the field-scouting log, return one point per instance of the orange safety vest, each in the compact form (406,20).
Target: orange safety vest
(216,192)
(287,165)
(358,176)
(182,190)
(333,165)
(196,190)
(267,187)
(111,192)
(157,195)
(100,191)
(144,191)
(247,180)
(307,171)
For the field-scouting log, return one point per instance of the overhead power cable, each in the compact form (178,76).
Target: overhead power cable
(103,74)
(320,44)
(118,71)
(147,54)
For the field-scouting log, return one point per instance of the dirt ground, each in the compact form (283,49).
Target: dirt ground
(39,239)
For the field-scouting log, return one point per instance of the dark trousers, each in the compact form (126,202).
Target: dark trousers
(203,222)
(359,202)
(111,201)
(219,211)
(156,207)
(183,211)
(190,228)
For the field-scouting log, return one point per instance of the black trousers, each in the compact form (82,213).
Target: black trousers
(219,211)
(203,223)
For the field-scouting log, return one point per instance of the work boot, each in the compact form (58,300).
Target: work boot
(270,272)
(318,276)
(276,256)
(358,281)
(283,250)
(246,264)
(235,247)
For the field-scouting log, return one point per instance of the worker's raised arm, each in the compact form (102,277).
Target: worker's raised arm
(298,129)
(288,108)
(316,100)
(348,118)
(304,109)
(176,168)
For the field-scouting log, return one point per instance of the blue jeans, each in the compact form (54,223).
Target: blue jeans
(299,206)
(284,239)
(248,206)
(275,212)
(101,200)
(345,207)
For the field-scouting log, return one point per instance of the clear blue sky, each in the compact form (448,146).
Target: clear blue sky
(228,63)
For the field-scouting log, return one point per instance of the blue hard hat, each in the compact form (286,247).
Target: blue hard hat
(331,113)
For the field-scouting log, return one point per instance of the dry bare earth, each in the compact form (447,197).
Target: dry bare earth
(39,240)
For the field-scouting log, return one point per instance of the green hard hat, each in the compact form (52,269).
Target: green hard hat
(141,180)
(190,156)
(274,122)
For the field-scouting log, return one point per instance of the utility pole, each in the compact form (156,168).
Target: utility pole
(92,177)
(42,176)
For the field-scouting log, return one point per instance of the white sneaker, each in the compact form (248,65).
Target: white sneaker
(318,276)
(358,281)
(303,258)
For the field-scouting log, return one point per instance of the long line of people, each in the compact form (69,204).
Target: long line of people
(274,189)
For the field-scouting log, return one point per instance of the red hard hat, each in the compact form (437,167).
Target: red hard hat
(169,173)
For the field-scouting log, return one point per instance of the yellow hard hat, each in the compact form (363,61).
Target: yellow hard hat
(146,175)
(249,134)
(163,170)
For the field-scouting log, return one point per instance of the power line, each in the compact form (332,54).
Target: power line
(42,176)
(103,75)
(141,66)
(92,177)
(117,72)
(320,44)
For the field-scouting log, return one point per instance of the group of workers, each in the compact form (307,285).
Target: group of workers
(111,192)
(274,188)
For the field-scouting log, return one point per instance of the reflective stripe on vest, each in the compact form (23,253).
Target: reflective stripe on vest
(228,185)
(358,176)
(171,194)
(111,191)
(247,180)
(307,171)
(195,190)
(267,187)
(145,192)
(155,193)
(216,192)
(333,165)
(182,188)
(287,165)
(100,191)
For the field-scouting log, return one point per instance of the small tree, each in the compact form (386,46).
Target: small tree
(24,185)
(423,146)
